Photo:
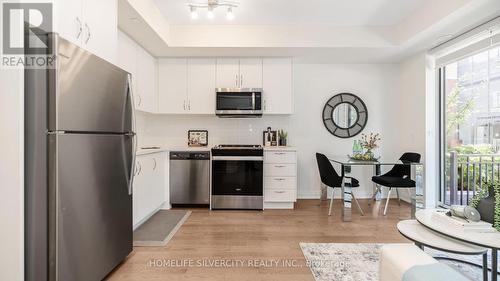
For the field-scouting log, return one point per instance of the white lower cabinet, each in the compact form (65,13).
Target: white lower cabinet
(149,186)
(280,178)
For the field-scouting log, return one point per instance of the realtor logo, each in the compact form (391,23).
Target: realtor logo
(33,18)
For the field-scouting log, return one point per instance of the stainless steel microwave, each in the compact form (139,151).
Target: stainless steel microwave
(238,102)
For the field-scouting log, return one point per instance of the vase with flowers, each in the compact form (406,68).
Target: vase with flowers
(369,143)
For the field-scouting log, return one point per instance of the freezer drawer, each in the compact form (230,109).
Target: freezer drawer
(87,93)
(90,205)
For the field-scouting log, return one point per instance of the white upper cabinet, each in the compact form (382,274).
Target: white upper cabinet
(277,86)
(100,27)
(91,24)
(250,73)
(201,85)
(187,86)
(144,69)
(172,86)
(228,73)
(68,19)
(127,59)
(146,81)
(239,73)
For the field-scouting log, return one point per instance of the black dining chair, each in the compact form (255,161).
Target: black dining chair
(329,177)
(398,177)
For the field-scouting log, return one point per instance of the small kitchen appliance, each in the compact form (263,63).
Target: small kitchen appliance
(238,102)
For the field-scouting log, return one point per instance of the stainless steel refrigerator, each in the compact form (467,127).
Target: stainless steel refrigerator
(79,165)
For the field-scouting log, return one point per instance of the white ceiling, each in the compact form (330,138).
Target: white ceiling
(332,12)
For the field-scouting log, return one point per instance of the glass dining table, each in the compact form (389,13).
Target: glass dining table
(347,163)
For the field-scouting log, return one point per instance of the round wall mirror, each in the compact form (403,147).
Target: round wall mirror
(345,115)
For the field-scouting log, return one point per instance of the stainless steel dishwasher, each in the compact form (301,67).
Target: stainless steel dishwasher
(189,177)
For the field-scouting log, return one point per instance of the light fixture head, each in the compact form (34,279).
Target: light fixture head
(211,5)
(210,12)
(194,13)
(230,14)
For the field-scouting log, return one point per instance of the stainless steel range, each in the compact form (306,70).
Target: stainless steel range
(237,177)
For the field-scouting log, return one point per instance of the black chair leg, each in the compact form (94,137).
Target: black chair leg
(399,198)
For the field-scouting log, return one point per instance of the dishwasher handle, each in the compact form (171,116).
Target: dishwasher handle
(189,155)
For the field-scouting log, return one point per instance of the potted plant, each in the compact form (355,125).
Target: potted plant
(282,137)
(487,202)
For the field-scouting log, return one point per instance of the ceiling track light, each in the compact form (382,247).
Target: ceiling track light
(211,5)
(194,13)
(210,12)
(230,14)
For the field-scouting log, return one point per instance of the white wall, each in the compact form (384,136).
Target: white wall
(314,84)
(419,108)
(11,173)
(412,89)
(412,100)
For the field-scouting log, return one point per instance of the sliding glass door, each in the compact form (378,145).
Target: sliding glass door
(470,126)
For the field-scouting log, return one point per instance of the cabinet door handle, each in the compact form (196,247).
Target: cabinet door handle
(279,191)
(140,100)
(80,29)
(279,179)
(189,105)
(88,33)
(140,168)
(154,161)
(236,83)
(279,153)
(184,105)
(279,166)
(241,80)
(265,104)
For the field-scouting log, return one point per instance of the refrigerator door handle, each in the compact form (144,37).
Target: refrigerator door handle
(132,134)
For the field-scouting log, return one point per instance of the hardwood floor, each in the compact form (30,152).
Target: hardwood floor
(254,238)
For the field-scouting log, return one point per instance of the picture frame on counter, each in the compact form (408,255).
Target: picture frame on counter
(197,138)
(270,138)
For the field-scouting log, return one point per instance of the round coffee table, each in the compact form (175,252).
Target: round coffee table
(490,240)
(424,237)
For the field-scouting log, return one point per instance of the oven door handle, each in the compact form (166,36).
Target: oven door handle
(237,158)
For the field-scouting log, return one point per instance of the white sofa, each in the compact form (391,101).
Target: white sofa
(398,259)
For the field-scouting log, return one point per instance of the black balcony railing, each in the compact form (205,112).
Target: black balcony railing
(468,174)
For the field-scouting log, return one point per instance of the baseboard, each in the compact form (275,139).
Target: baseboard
(316,195)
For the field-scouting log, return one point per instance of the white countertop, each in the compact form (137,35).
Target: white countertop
(190,148)
(280,148)
(142,151)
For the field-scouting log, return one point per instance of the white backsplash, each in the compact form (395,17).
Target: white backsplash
(171,130)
